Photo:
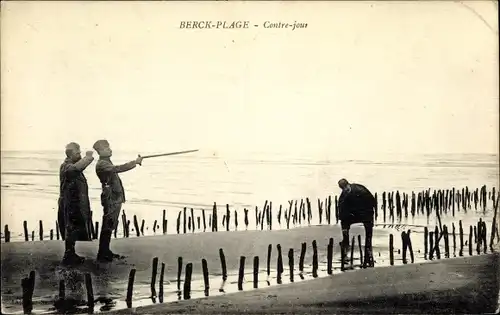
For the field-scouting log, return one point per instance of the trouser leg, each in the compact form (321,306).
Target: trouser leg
(345,237)
(69,245)
(109,223)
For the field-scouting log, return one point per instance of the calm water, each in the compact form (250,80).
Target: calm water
(30,182)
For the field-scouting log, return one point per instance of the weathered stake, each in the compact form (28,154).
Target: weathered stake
(329,257)
(187,281)
(90,292)
(205,276)
(162,275)
(241,273)
(130,287)
(256,272)
(153,277)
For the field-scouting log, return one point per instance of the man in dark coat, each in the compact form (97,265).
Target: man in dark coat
(74,204)
(112,196)
(356,205)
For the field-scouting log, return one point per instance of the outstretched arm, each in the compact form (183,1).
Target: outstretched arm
(79,166)
(108,167)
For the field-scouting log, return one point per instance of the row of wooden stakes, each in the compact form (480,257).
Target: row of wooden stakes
(440,201)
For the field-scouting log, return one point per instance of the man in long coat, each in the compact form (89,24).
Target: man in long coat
(112,196)
(356,205)
(74,204)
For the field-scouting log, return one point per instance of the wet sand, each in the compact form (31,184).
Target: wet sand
(458,285)
(110,280)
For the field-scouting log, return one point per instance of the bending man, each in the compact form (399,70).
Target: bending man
(356,205)
(74,204)
(112,196)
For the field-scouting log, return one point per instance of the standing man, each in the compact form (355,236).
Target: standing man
(356,205)
(112,196)
(74,204)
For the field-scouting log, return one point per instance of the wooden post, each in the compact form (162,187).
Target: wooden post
(301,260)
(255,272)
(28,285)
(352,252)
(25,225)
(187,281)
(228,216)
(164,222)
(192,219)
(162,275)
(90,292)
(153,277)
(479,236)
(484,242)
(224,269)
(127,227)
(7,234)
(136,225)
(410,247)
(184,221)
(204,220)
(179,272)
(40,231)
(154,226)
(329,208)
(241,273)
(391,249)
(130,287)
(51,235)
(57,230)
(124,224)
(461,232)
(315,259)
(431,245)
(470,240)
(179,223)
(361,262)
(329,256)
(142,227)
(426,237)
(205,276)
(405,245)
(290,263)
(446,242)
(437,238)
(246,218)
(269,249)
(279,264)
(32,235)
(454,240)
(235,220)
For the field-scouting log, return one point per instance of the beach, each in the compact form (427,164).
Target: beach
(110,280)
(30,182)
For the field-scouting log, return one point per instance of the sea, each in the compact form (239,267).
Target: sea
(30,182)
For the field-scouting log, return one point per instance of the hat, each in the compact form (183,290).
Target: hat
(100,144)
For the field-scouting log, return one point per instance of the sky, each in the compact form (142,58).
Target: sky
(367,78)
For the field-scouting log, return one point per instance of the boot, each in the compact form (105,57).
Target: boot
(103,254)
(70,257)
